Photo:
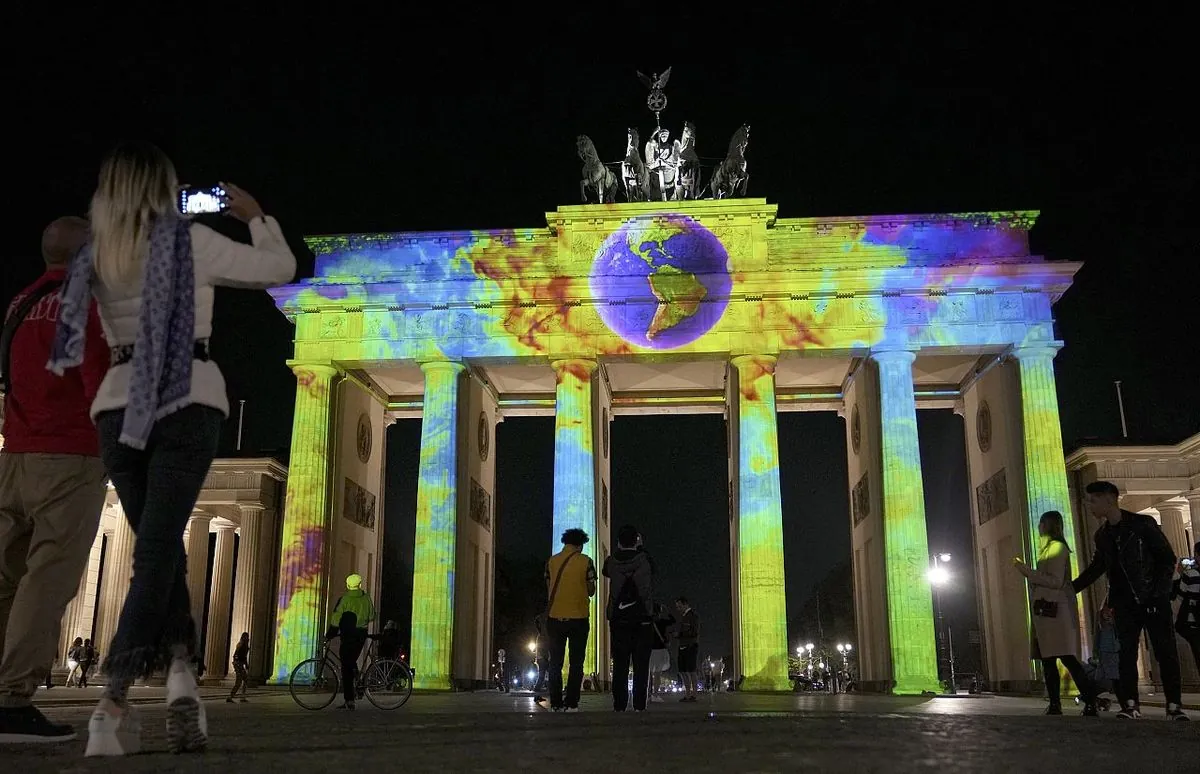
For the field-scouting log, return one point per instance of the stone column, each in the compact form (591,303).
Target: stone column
(1171,517)
(1045,466)
(906,544)
(303,557)
(118,572)
(244,579)
(196,544)
(216,641)
(1193,500)
(762,606)
(575,468)
(437,529)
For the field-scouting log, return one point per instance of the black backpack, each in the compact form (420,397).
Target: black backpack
(628,605)
(13,321)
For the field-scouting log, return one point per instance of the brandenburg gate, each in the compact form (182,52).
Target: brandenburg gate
(676,306)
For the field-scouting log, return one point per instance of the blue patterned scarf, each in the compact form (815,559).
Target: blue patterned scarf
(161,382)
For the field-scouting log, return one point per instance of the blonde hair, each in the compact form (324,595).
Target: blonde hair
(137,183)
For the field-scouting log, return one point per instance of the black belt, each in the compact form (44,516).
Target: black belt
(124,353)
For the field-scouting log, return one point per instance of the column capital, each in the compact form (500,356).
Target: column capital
(765,362)
(1036,349)
(897,355)
(1174,505)
(319,370)
(580,366)
(454,367)
(251,507)
(199,516)
(224,525)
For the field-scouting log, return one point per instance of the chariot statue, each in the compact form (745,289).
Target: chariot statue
(662,160)
(687,172)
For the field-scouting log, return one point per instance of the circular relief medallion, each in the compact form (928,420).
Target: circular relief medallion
(855,429)
(363,438)
(485,436)
(604,430)
(983,426)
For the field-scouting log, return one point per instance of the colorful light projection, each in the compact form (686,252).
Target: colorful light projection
(303,576)
(906,545)
(575,469)
(762,609)
(437,529)
(656,284)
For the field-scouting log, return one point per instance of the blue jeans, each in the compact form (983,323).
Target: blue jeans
(158,487)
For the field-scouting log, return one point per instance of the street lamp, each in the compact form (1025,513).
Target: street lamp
(938,577)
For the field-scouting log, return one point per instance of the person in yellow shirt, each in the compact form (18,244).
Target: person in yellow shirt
(570,583)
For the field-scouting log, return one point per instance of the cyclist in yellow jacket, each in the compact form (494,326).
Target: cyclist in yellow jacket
(350,618)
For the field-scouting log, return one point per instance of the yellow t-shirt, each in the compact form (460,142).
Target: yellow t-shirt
(578,580)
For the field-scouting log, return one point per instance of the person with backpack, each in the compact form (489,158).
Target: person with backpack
(630,613)
(570,584)
(87,662)
(350,620)
(689,648)
(52,484)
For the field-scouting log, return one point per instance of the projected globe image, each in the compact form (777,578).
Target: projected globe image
(676,267)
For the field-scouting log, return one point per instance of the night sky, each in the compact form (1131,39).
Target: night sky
(469,122)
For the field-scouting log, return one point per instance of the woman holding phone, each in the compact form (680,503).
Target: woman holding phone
(159,409)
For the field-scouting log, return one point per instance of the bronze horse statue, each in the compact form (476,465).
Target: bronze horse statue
(633,170)
(596,176)
(731,176)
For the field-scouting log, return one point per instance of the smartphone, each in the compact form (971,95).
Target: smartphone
(199,200)
(1188,561)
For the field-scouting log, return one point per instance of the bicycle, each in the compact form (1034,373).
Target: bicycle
(316,682)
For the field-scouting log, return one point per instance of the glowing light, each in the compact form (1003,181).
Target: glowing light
(943,557)
(761,607)
(533,646)
(437,528)
(938,576)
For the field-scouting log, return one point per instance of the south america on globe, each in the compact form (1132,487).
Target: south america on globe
(673,261)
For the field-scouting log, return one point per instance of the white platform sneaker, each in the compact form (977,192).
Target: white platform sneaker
(111,734)
(187,722)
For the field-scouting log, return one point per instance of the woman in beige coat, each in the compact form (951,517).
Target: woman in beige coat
(1055,615)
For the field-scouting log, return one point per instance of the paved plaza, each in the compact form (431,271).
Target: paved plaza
(729,732)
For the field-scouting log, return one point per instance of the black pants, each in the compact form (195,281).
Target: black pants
(561,631)
(353,640)
(158,487)
(631,642)
(1131,619)
(1087,690)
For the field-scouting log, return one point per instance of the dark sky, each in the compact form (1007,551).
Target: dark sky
(469,122)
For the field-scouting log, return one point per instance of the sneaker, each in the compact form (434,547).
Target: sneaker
(21,725)
(1175,712)
(349,705)
(570,709)
(187,722)
(1090,711)
(1130,712)
(112,734)
(1054,709)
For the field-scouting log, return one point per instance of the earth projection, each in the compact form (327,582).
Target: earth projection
(676,263)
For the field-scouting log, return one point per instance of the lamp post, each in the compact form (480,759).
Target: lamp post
(809,648)
(939,576)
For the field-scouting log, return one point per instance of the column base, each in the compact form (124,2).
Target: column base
(766,685)
(916,687)
(432,683)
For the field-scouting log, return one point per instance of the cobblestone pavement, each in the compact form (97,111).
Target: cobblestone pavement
(736,732)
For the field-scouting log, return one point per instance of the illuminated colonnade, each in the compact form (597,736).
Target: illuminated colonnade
(661,284)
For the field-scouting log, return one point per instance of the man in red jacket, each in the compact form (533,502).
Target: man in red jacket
(52,487)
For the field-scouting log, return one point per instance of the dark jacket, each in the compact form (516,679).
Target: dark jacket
(1137,558)
(628,565)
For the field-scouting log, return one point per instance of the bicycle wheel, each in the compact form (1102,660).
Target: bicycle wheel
(314,684)
(389,684)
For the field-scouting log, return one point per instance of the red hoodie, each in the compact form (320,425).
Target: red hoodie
(44,413)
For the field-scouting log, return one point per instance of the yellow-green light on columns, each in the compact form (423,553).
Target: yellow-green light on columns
(763,608)
(303,549)
(575,469)
(906,543)
(437,529)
